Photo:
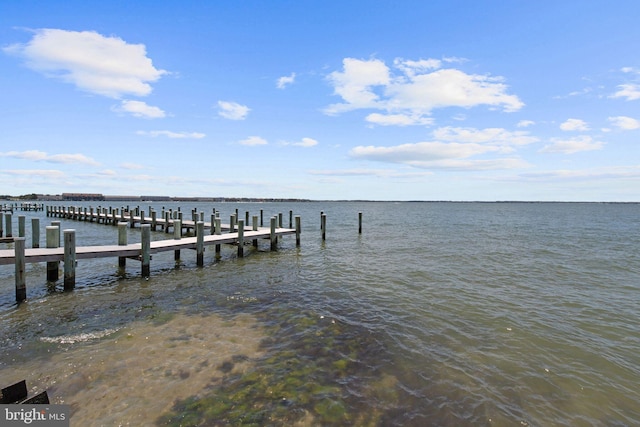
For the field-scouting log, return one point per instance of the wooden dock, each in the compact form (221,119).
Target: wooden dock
(235,233)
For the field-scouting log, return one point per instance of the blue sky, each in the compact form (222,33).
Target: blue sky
(381,100)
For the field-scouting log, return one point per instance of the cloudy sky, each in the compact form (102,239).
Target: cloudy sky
(381,100)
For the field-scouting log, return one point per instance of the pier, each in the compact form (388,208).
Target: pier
(238,232)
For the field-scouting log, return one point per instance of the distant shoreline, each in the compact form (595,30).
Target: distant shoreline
(84,197)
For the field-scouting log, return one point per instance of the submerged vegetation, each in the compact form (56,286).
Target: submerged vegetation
(302,382)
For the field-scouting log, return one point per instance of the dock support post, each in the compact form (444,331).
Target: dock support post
(122,241)
(323,226)
(21,284)
(21,225)
(53,241)
(218,232)
(8,219)
(255,228)
(240,238)
(274,239)
(177,234)
(200,243)
(290,219)
(261,217)
(1,223)
(35,232)
(280,223)
(145,249)
(212,229)
(232,223)
(69,259)
(298,230)
(359,222)
(154,220)
(131,220)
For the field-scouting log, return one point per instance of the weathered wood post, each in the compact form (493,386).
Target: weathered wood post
(246,217)
(218,233)
(212,229)
(255,228)
(200,243)
(177,234)
(290,219)
(1,223)
(280,223)
(35,232)
(167,216)
(21,284)
(274,239)
(91,214)
(22,225)
(69,259)
(298,230)
(154,220)
(8,218)
(131,220)
(240,238)
(359,222)
(261,217)
(145,249)
(59,225)
(232,223)
(122,241)
(323,226)
(53,241)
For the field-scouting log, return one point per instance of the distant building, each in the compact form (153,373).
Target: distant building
(82,196)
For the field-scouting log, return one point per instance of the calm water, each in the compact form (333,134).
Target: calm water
(447,314)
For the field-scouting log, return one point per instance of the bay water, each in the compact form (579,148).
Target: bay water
(439,313)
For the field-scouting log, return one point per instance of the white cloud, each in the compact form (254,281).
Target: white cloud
(36,155)
(284,81)
(233,110)
(629,91)
(305,142)
(572,145)
(170,134)
(414,90)
(574,125)
(140,109)
(32,173)
(525,123)
(625,123)
(107,66)
(253,141)
(131,166)
(497,137)
(398,119)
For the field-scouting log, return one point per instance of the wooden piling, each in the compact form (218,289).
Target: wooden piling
(145,249)
(69,259)
(122,241)
(255,228)
(200,243)
(273,238)
(53,241)
(218,232)
(21,284)
(240,238)
(359,222)
(298,230)
(22,225)
(35,232)
(1,223)
(8,226)
(177,234)
(323,226)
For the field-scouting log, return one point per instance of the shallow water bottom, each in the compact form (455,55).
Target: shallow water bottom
(131,376)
